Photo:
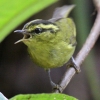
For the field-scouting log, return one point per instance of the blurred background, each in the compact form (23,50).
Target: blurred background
(19,75)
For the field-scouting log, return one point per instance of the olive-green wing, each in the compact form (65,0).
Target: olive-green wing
(67,30)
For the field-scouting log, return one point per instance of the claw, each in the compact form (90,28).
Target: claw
(72,63)
(54,85)
(58,87)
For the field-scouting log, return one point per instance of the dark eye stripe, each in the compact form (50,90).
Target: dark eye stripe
(38,30)
(41,30)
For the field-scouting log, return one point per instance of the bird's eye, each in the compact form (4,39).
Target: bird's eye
(38,30)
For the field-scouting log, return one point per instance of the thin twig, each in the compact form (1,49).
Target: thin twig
(88,45)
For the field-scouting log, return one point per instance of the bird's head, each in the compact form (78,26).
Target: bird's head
(40,30)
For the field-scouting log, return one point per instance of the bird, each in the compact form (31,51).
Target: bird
(50,43)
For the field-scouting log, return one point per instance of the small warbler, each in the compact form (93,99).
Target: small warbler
(51,43)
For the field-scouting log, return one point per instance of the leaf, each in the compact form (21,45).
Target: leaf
(14,12)
(43,96)
(2,97)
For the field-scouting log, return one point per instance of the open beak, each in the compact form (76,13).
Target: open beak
(25,37)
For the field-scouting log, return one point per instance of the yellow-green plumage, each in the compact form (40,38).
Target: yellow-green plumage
(51,43)
(51,50)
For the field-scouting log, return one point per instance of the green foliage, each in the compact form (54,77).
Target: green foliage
(42,96)
(52,96)
(14,12)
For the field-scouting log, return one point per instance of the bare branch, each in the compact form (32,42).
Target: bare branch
(88,45)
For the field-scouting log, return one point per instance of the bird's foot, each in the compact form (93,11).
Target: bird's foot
(58,88)
(54,85)
(72,63)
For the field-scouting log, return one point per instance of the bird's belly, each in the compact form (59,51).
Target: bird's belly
(51,57)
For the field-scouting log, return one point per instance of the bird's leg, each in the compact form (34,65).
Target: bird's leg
(51,82)
(54,85)
(72,63)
